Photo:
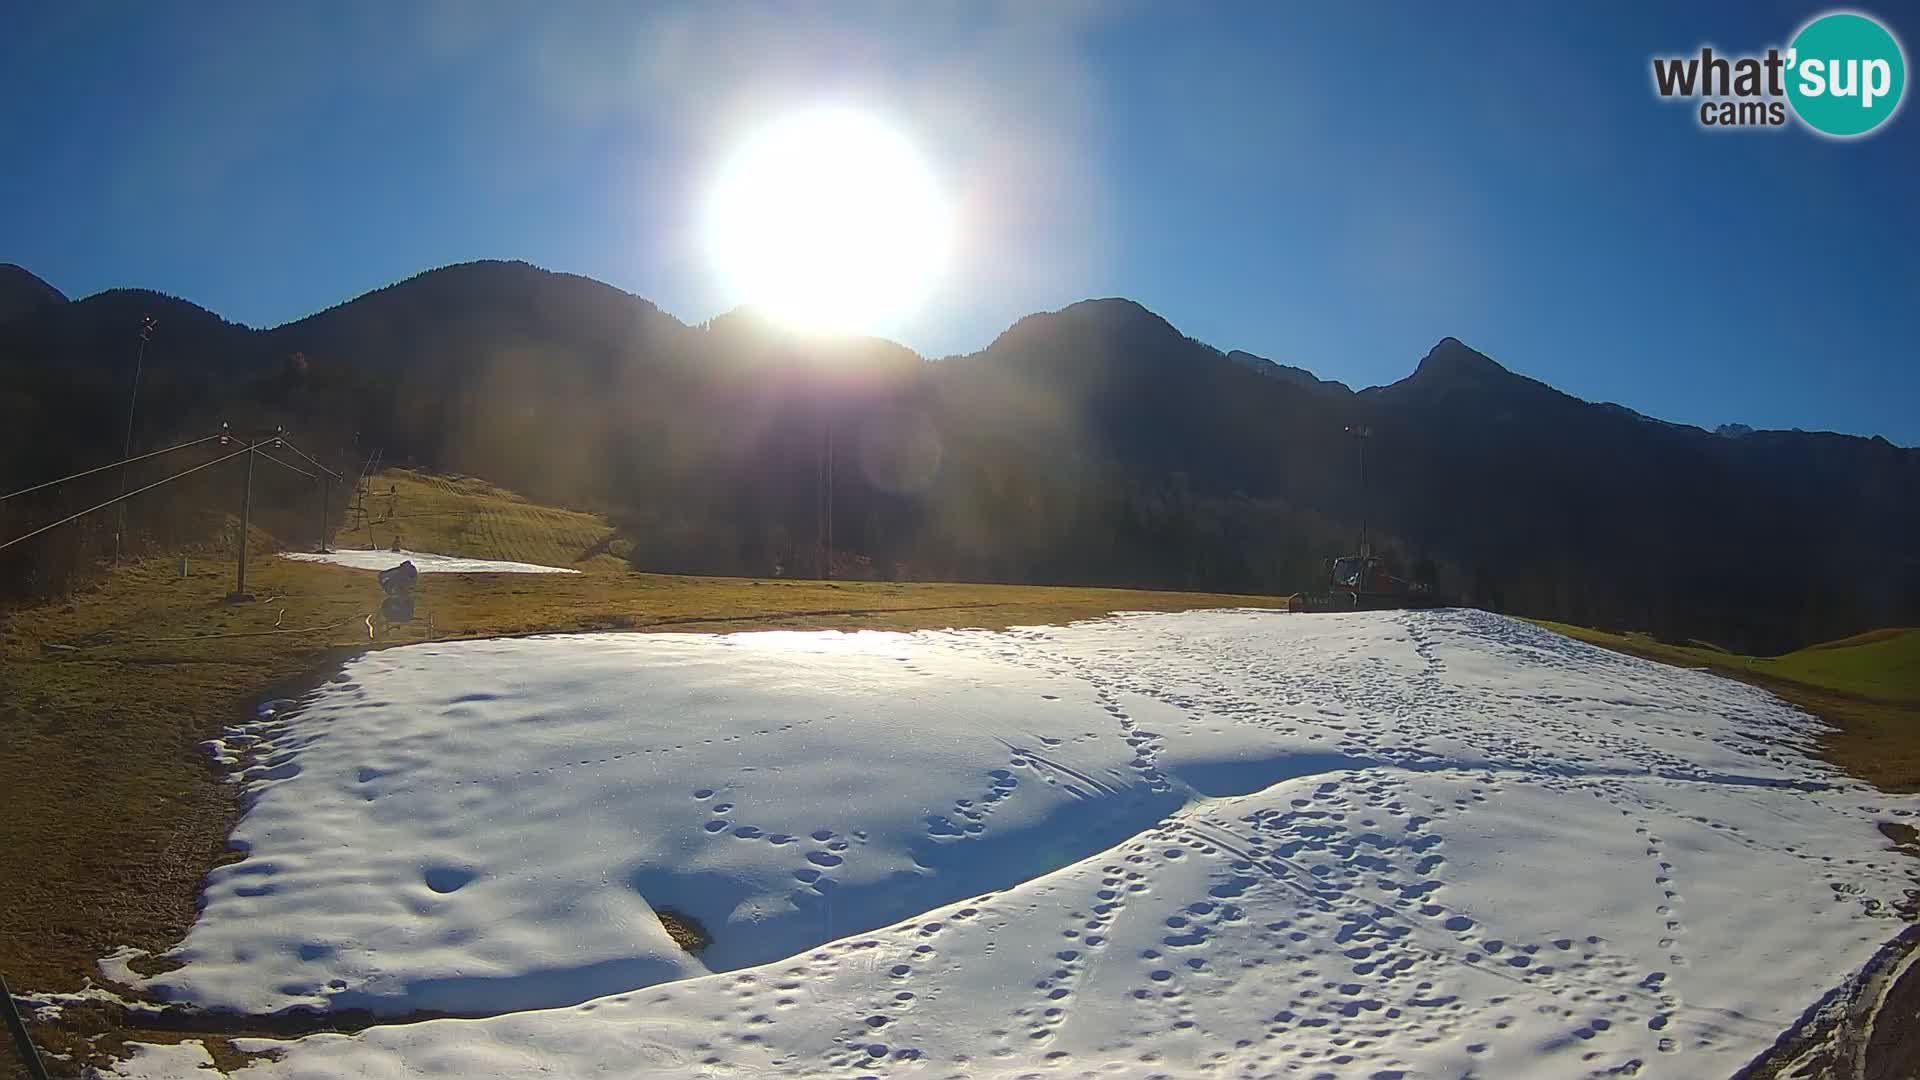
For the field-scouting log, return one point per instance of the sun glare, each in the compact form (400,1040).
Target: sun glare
(830,221)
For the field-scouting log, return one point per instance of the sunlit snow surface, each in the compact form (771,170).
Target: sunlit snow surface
(1217,843)
(425,562)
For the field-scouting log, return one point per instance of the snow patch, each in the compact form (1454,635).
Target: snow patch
(423,561)
(114,965)
(165,1061)
(1420,843)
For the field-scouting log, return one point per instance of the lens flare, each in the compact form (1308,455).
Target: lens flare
(830,221)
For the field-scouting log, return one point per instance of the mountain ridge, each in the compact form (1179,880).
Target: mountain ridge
(1449,358)
(1094,444)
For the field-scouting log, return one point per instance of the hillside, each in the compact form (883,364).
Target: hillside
(1092,445)
(1612,518)
(21,292)
(1879,664)
(467,517)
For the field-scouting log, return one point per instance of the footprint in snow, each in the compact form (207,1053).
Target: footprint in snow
(447,879)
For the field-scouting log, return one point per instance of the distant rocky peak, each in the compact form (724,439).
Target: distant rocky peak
(1453,359)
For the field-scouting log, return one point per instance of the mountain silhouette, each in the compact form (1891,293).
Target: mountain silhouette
(21,292)
(1094,444)
(1298,376)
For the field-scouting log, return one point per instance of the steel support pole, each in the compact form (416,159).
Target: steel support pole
(246,518)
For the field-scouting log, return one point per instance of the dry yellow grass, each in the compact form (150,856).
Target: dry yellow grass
(461,515)
(114,813)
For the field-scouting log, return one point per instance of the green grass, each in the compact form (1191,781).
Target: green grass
(1867,687)
(114,815)
(1882,664)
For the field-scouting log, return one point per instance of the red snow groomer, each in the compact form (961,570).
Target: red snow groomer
(1364,583)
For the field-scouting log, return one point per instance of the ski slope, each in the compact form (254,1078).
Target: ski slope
(1218,843)
(424,561)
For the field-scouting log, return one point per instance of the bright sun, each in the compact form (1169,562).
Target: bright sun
(829,220)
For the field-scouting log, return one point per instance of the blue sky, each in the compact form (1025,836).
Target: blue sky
(1332,188)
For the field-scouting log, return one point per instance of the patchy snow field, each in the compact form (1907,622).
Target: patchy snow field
(1219,843)
(424,561)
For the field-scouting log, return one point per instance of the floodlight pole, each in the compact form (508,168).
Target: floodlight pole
(126,450)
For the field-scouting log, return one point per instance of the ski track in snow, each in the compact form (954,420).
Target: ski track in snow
(1239,844)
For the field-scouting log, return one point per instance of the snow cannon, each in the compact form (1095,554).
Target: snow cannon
(399,579)
(1365,583)
(398,583)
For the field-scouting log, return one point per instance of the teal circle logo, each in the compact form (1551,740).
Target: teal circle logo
(1845,74)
